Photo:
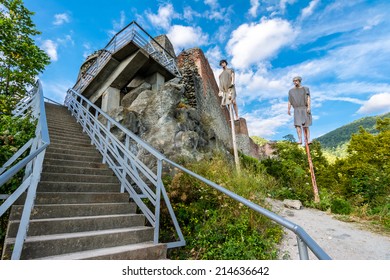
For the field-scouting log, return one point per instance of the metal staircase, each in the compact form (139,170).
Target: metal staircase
(79,212)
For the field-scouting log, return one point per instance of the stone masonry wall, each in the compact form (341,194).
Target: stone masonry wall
(202,92)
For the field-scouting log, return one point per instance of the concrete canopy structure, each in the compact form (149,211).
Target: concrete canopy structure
(131,53)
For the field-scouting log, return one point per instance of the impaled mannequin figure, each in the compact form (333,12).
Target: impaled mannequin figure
(299,99)
(226,86)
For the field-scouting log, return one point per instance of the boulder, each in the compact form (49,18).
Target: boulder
(293,204)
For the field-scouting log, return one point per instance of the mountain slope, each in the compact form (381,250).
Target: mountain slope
(343,134)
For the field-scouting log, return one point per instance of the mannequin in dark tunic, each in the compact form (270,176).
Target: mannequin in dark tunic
(299,99)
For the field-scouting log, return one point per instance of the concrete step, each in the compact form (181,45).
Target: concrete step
(69,137)
(59,156)
(87,152)
(62,177)
(139,251)
(75,198)
(54,186)
(55,139)
(71,146)
(78,170)
(65,129)
(77,224)
(55,244)
(68,140)
(68,121)
(74,210)
(73,163)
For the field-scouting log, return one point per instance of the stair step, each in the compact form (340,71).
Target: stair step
(78,170)
(70,146)
(59,156)
(54,149)
(62,177)
(73,163)
(69,137)
(53,186)
(68,140)
(73,210)
(77,224)
(69,121)
(77,130)
(47,245)
(139,251)
(47,198)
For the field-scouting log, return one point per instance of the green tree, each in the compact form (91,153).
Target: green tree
(20,59)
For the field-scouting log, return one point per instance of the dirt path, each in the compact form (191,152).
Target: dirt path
(340,240)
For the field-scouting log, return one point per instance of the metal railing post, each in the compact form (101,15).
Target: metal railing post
(302,247)
(158,201)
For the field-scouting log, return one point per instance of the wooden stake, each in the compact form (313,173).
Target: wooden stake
(313,176)
(236,159)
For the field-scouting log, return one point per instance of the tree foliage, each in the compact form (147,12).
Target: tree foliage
(20,59)
(357,183)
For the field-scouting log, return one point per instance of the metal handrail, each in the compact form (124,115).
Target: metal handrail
(75,102)
(140,181)
(33,105)
(133,32)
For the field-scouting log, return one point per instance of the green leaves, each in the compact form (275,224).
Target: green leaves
(20,59)
(214,225)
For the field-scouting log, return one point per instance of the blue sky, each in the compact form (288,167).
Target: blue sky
(341,48)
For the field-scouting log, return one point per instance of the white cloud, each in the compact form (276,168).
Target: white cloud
(56,90)
(87,50)
(283,4)
(254,7)
(64,41)
(214,55)
(217,12)
(163,17)
(378,103)
(189,13)
(60,19)
(252,43)
(308,11)
(372,22)
(121,23)
(117,25)
(212,3)
(267,121)
(50,48)
(186,37)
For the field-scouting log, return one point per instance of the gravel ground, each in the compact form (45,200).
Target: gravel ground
(340,240)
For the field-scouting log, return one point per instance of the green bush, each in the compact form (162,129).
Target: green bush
(14,133)
(340,206)
(214,225)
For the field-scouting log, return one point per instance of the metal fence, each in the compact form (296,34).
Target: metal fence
(131,33)
(32,105)
(144,181)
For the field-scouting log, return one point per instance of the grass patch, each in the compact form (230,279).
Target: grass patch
(214,225)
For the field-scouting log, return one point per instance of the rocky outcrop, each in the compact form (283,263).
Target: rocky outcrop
(183,118)
(165,122)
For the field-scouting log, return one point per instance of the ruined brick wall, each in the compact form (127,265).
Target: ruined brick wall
(201,91)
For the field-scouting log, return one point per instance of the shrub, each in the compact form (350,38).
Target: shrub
(214,225)
(340,206)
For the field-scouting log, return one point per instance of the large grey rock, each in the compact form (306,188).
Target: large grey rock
(294,204)
(129,98)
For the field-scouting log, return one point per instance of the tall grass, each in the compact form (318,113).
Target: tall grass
(214,225)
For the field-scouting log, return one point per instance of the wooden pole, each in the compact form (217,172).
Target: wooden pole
(313,176)
(236,159)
